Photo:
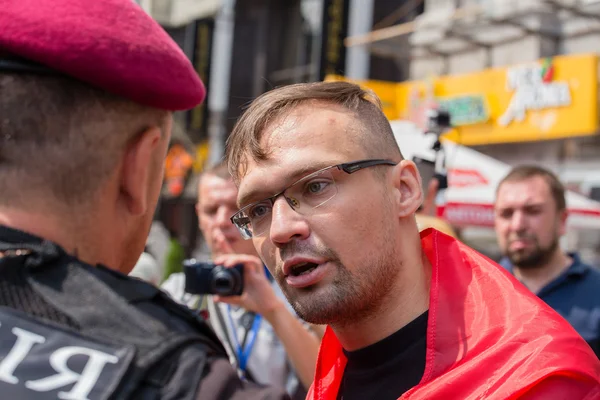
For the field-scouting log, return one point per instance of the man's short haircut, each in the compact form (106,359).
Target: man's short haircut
(219,170)
(376,133)
(524,172)
(61,138)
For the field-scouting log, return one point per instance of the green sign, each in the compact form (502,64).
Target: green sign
(465,110)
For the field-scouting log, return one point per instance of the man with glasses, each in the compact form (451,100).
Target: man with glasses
(264,339)
(329,203)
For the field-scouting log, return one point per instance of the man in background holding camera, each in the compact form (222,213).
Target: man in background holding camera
(264,339)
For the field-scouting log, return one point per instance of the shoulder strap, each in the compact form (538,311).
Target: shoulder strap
(140,294)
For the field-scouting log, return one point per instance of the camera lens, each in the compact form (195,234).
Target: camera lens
(223,282)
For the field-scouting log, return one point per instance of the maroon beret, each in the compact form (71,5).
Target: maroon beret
(110,44)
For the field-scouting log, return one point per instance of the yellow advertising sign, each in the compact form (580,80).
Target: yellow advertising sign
(386,91)
(548,99)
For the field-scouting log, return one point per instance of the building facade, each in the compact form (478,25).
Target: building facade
(526,38)
(519,78)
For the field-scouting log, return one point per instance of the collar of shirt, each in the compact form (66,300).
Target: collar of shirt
(576,269)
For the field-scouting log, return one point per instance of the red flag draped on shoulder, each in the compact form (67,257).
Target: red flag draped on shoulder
(488,337)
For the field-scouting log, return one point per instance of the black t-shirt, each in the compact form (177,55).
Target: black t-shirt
(389,368)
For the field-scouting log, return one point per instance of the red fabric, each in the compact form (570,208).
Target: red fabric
(488,337)
(111,44)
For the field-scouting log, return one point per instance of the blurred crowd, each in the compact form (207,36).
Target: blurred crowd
(325,273)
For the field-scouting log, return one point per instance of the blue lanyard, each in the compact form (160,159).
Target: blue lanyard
(268,274)
(244,353)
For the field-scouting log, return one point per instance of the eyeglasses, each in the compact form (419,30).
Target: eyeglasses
(303,196)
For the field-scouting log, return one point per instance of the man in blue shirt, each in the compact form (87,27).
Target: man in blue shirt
(530,218)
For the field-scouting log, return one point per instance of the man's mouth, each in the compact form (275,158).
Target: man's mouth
(299,265)
(303,268)
(300,272)
(225,237)
(520,242)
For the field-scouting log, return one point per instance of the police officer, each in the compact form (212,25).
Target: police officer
(87,90)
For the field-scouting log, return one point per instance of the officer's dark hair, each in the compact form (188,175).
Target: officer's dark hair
(62,137)
(524,172)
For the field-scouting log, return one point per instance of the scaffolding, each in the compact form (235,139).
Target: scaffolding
(464,26)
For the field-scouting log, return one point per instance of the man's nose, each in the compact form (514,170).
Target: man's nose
(286,223)
(518,221)
(223,216)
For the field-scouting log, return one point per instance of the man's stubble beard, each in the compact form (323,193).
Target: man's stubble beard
(351,296)
(537,258)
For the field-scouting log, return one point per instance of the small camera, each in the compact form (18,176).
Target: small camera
(209,278)
(438,122)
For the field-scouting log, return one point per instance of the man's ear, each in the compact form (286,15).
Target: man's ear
(198,213)
(408,192)
(137,170)
(562,220)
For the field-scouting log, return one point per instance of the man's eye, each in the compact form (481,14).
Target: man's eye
(316,187)
(258,211)
(506,214)
(533,210)
(210,211)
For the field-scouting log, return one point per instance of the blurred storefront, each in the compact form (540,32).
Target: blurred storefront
(550,99)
